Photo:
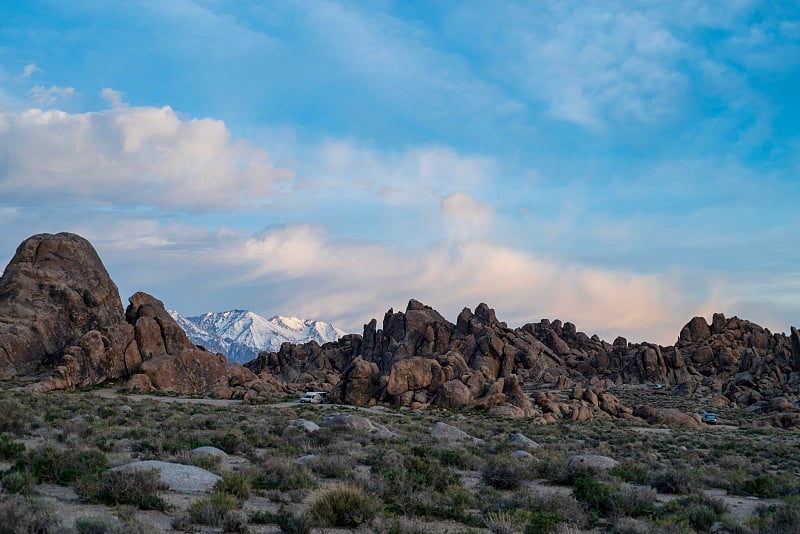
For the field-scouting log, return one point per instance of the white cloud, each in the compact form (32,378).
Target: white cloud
(418,175)
(114,98)
(350,281)
(131,157)
(47,96)
(30,69)
(466,218)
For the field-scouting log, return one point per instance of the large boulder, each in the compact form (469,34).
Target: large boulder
(191,372)
(54,290)
(414,374)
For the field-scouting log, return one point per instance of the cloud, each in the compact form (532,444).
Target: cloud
(132,157)
(465,217)
(114,98)
(350,281)
(47,96)
(30,69)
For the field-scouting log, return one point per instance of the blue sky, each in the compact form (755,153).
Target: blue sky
(622,165)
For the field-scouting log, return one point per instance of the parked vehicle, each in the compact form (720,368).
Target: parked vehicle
(658,386)
(710,418)
(314,397)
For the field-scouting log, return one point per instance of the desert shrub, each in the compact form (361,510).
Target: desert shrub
(634,501)
(49,464)
(25,515)
(282,474)
(138,487)
(291,523)
(15,418)
(672,480)
(10,449)
(234,483)
(769,485)
(503,522)
(698,511)
(209,462)
(345,506)
(597,497)
(543,522)
(554,467)
(783,518)
(213,510)
(541,507)
(94,525)
(333,466)
(231,442)
(504,473)
(235,522)
(19,481)
(410,484)
(633,471)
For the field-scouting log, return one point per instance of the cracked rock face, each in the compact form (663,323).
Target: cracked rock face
(53,291)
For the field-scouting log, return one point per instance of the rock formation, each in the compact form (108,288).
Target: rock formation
(54,290)
(61,315)
(420,359)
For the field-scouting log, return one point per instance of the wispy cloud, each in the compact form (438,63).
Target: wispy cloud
(114,98)
(30,69)
(47,96)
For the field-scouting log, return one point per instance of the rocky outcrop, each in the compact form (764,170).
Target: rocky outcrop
(54,291)
(61,316)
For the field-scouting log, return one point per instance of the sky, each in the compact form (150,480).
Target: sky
(623,165)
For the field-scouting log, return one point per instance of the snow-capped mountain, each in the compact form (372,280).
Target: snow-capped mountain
(242,334)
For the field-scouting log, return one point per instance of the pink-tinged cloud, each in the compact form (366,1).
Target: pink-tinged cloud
(136,156)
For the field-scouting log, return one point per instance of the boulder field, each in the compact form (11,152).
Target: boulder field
(62,323)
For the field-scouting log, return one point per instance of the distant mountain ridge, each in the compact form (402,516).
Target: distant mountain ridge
(242,334)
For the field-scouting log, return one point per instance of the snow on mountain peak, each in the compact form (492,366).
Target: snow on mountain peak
(242,334)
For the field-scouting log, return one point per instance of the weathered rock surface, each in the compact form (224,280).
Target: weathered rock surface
(54,291)
(445,432)
(595,462)
(479,363)
(61,315)
(177,477)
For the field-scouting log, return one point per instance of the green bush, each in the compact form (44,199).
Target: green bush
(49,464)
(672,480)
(291,523)
(781,518)
(345,506)
(137,487)
(10,449)
(698,511)
(543,522)
(596,496)
(19,481)
(504,473)
(15,418)
(25,515)
(281,474)
(760,486)
(633,471)
(93,525)
(212,511)
(234,483)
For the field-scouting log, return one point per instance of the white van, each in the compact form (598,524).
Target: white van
(314,397)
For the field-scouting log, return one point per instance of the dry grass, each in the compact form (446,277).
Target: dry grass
(69,439)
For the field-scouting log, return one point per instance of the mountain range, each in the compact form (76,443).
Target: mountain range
(242,334)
